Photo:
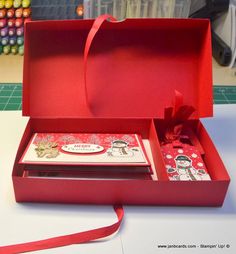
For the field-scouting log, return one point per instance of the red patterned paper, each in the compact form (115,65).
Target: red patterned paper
(85,148)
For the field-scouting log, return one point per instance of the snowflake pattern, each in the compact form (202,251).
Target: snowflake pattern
(110,139)
(47,138)
(129,139)
(104,140)
(94,139)
(67,139)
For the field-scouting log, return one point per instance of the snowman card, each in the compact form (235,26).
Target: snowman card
(90,149)
(184,163)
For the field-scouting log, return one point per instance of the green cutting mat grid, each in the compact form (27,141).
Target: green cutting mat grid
(225,94)
(11,95)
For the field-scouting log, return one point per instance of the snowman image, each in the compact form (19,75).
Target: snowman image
(119,148)
(185,170)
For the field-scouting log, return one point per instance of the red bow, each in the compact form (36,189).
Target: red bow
(175,117)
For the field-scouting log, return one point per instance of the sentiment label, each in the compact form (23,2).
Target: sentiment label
(82,148)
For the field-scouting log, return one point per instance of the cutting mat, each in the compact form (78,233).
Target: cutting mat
(11,95)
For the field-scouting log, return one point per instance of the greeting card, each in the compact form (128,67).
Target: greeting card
(91,149)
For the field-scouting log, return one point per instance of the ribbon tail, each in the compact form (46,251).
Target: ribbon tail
(66,240)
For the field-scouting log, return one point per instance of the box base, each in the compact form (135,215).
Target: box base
(134,191)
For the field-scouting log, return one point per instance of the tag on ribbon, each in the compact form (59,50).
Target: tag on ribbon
(181,149)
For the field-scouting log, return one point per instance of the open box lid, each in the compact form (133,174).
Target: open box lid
(133,68)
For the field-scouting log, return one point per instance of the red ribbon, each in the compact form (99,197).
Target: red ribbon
(175,117)
(60,241)
(96,26)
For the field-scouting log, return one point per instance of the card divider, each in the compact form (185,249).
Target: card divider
(156,153)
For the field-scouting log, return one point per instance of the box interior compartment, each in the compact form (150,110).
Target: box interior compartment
(145,192)
(144,127)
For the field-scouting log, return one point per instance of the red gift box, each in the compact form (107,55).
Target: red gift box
(133,69)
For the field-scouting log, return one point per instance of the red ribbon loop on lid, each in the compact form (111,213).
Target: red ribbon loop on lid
(95,28)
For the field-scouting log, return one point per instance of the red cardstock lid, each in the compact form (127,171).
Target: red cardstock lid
(134,67)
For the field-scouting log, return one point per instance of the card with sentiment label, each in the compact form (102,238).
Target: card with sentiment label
(85,149)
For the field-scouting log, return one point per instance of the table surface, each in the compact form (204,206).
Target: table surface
(144,229)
